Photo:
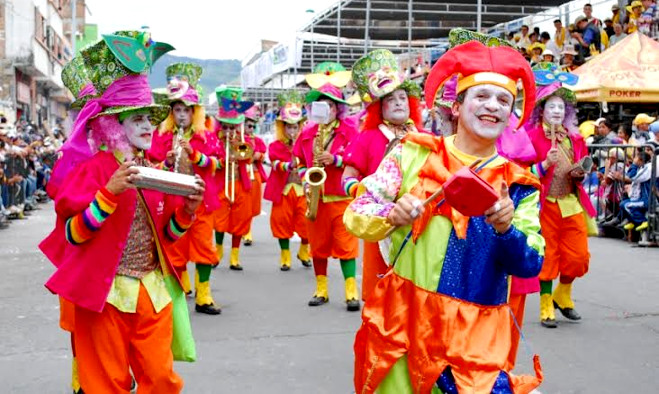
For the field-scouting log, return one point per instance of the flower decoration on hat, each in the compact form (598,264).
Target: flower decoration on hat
(377,74)
(477,64)
(550,79)
(328,72)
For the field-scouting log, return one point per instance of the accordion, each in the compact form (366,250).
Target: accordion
(165,181)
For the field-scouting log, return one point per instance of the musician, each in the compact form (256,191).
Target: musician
(234,152)
(566,212)
(182,144)
(284,186)
(256,171)
(392,111)
(439,317)
(108,233)
(323,145)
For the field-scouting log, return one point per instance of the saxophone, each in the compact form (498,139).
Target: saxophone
(315,177)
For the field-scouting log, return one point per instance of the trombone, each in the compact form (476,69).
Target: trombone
(229,166)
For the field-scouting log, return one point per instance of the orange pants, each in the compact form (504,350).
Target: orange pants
(517,303)
(373,266)
(234,218)
(66,315)
(328,236)
(566,250)
(109,343)
(288,216)
(256,195)
(196,245)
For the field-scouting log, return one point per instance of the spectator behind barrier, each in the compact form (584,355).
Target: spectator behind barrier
(634,208)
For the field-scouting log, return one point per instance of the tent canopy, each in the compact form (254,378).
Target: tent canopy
(628,72)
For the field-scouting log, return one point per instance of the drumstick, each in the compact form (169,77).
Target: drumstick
(434,196)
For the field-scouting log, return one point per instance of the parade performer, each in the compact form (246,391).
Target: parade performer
(439,318)
(182,144)
(284,186)
(109,237)
(255,169)
(234,155)
(566,211)
(320,149)
(392,111)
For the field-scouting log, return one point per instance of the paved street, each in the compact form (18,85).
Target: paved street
(268,340)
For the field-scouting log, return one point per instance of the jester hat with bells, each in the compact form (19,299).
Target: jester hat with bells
(182,87)
(477,64)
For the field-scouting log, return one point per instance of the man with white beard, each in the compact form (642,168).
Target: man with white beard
(565,210)
(439,317)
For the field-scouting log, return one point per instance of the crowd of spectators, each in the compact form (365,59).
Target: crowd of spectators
(588,36)
(27,155)
(620,185)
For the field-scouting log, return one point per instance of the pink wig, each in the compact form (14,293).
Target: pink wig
(107,131)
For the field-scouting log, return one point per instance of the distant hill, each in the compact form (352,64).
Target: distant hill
(216,72)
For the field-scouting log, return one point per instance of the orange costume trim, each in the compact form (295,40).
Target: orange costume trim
(141,339)
(373,267)
(288,217)
(566,251)
(328,236)
(234,218)
(196,245)
(420,315)
(256,194)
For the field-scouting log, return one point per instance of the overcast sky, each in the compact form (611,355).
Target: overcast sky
(207,29)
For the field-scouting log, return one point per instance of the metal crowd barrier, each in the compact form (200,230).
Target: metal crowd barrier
(607,195)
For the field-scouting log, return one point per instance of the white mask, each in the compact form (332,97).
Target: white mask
(554,111)
(139,130)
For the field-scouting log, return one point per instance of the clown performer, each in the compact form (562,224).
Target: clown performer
(235,152)
(566,213)
(392,111)
(320,149)
(183,145)
(109,237)
(255,169)
(284,186)
(450,281)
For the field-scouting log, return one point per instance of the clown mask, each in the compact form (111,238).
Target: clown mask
(139,130)
(291,112)
(177,86)
(383,81)
(554,112)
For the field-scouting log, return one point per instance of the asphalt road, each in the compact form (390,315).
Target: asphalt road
(268,340)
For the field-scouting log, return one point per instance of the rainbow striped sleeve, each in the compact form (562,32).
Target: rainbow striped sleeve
(201,160)
(81,227)
(350,185)
(280,165)
(178,224)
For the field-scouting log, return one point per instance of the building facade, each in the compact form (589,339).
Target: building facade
(33,49)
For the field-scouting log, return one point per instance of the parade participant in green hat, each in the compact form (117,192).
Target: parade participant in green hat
(393,110)
(236,150)
(320,149)
(183,144)
(109,238)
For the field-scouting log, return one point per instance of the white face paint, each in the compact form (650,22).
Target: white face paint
(484,111)
(554,111)
(396,107)
(139,130)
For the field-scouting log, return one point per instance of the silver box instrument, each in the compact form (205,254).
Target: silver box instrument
(165,181)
